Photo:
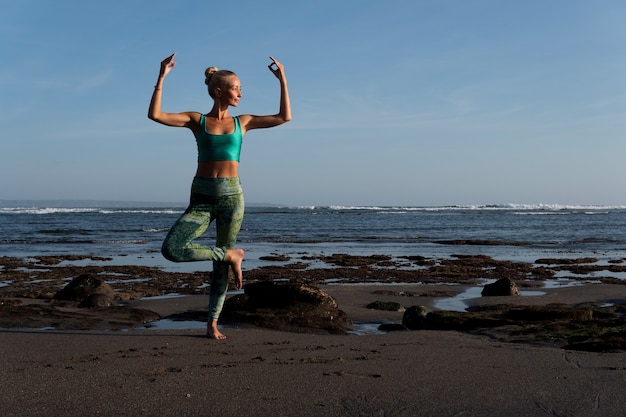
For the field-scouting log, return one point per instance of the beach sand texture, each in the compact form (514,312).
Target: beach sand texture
(259,372)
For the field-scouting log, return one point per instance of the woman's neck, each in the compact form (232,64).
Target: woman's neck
(218,112)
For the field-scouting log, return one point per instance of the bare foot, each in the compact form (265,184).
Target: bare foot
(235,257)
(212,332)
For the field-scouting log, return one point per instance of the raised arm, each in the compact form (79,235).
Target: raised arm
(154,111)
(284,111)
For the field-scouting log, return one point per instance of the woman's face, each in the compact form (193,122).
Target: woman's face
(231,92)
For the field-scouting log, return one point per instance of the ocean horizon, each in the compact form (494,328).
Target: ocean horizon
(89,203)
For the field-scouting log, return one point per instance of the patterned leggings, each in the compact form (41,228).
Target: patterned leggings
(219,199)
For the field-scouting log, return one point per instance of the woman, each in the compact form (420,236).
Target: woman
(216,192)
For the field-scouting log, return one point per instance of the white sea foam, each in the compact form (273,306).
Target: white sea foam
(141,211)
(521,207)
(45,210)
(77,210)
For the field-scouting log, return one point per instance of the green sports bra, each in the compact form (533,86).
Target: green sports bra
(219,147)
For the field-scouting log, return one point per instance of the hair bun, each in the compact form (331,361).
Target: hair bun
(208,73)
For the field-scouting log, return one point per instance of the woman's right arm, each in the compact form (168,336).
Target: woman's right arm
(154,111)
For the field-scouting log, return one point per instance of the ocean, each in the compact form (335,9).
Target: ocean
(131,233)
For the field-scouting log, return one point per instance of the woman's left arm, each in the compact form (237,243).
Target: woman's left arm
(250,122)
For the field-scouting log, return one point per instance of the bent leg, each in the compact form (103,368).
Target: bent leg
(178,246)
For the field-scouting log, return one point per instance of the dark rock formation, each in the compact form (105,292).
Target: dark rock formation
(385,306)
(582,327)
(414,317)
(84,286)
(48,316)
(502,287)
(97,300)
(291,306)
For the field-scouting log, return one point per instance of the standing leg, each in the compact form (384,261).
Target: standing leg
(228,218)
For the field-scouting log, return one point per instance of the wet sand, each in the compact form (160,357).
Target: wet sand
(260,372)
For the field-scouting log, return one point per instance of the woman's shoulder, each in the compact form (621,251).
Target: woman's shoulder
(244,118)
(195,117)
(194,120)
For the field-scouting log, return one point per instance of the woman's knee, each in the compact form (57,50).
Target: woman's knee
(171,253)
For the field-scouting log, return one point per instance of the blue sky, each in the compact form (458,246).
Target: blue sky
(394,103)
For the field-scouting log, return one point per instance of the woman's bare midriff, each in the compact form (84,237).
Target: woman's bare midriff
(218,169)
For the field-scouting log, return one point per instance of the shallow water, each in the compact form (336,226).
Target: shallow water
(458,302)
(167,324)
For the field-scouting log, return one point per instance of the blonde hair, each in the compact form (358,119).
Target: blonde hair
(215,78)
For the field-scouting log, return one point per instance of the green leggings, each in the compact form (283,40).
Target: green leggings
(219,199)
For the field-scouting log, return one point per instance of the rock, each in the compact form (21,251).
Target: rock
(128,295)
(280,295)
(82,287)
(10,302)
(291,306)
(414,317)
(275,258)
(462,321)
(385,306)
(97,300)
(549,312)
(501,287)
(579,327)
(41,316)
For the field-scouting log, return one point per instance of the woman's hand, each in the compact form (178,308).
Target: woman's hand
(167,64)
(277,69)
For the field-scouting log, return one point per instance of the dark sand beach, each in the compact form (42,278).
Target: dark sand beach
(262,372)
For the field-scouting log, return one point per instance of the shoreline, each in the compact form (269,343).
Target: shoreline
(440,284)
(266,372)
